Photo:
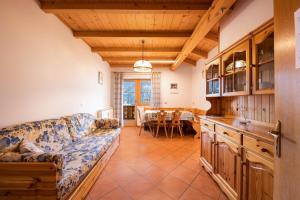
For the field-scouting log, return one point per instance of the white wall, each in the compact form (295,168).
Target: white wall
(182,76)
(246,16)
(44,71)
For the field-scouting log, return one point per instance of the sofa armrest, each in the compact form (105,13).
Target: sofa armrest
(108,123)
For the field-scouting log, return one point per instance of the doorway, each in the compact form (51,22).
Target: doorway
(136,92)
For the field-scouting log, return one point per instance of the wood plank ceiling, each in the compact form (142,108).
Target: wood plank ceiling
(173,31)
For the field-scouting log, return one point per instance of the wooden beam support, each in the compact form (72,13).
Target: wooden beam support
(199,53)
(124,8)
(213,37)
(207,22)
(131,65)
(131,34)
(120,59)
(190,61)
(135,50)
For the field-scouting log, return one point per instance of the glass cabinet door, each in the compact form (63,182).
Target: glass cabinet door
(213,78)
(235,70)
(263,62)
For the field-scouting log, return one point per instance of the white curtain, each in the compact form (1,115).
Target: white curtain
(155,92)
(118,97)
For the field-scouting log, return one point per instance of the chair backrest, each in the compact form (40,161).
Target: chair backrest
(141,113)
(176,117)
(161,117)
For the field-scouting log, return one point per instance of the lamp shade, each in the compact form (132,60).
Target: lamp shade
(142,66)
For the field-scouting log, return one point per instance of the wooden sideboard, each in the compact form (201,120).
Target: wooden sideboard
(239,158)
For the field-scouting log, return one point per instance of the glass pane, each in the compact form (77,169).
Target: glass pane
(216,86)
(240,81)
(228,65)
(209,87)
(145,91)
(265,76)
(240,61)
(228,83)
(128,93)
(215,71)
(208,74)
(265,50)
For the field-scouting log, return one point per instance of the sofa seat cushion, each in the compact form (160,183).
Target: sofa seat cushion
(81,156)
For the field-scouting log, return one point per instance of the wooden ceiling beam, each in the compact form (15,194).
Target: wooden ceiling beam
(213,37)
(131,65)
(190,61)
(133,59)
(214,14)
(124,8)
(134,50)
(199,53)
(131,34)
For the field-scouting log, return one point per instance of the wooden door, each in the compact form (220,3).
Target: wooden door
(287,101)
(228,164)
(207,142)
(258,178)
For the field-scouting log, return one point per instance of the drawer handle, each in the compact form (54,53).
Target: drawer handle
(225,133)
(264,150)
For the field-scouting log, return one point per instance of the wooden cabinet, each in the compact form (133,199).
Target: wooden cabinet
(228,165)
(257,177)
(236,70)
(263,61)
(241,163)
(213,88)
(207,148)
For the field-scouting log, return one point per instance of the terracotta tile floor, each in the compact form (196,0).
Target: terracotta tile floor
(147,168)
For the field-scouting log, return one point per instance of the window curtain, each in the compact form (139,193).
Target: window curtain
(155,90)
(118,97)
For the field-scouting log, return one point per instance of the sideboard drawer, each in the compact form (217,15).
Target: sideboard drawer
(207,124)
(229,133)
(259,146)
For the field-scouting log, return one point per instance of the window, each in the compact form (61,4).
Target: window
(129,92)
(145,92)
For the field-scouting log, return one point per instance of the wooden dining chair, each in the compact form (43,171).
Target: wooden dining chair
(161,122)
(143,121)
(175,122)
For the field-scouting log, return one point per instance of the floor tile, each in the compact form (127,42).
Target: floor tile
(172,186)
(184,174)
(193,194)
(147,168)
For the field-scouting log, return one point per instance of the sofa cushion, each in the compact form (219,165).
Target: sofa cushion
(80,124)
(50,135)
(81,156)
(107,123)
(28,147)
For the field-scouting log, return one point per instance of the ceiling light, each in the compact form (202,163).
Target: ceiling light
(142,65)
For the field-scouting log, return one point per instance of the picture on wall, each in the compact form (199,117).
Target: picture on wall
(100,78)
(174,88)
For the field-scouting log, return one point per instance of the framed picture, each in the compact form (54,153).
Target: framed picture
(174,88)
(100,78)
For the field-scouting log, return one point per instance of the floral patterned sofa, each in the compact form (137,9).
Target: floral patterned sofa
(74,144)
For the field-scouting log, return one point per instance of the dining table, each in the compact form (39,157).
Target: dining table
(185,115)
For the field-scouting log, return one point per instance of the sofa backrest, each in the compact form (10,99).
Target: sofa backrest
(80,124)
(50,135)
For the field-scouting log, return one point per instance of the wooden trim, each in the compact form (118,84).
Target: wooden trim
(131,34)
(27,180)
(124,8)
(190,61)
(207,22)
(135,50)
